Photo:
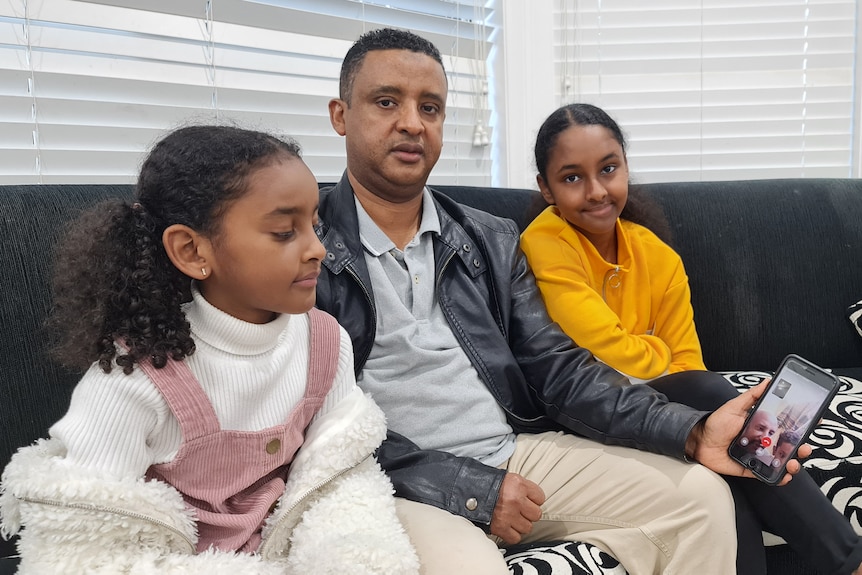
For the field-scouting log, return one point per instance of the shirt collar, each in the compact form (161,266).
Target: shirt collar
(377,243)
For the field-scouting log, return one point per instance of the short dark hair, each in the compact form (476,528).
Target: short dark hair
(380,39)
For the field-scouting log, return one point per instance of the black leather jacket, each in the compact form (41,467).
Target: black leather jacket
(538,376)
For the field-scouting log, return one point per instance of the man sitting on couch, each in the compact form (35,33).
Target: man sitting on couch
(487,401)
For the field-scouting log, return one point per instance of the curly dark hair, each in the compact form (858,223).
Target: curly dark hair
(639,208)
(380,39)
(113,281)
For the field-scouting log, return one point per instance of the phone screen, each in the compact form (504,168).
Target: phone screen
(786,414)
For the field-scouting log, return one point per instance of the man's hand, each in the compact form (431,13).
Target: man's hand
(518,507)
(710,439)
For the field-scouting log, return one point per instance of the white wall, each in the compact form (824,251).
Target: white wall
(523,65)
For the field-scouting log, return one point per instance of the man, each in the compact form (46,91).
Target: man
(758,434)
(757,439)
(483,393)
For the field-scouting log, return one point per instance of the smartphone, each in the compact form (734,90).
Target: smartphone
(783,417)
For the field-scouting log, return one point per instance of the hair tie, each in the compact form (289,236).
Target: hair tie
(139,210)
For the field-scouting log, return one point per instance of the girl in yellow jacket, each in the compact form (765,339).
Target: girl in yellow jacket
(612,284)
(620,291)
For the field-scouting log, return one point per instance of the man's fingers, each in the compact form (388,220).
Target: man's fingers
(793,467)
(518,506)
(515,531)
(751,395)
(535,493)
(523,525)
(785,480)
(509,537)
(531,512)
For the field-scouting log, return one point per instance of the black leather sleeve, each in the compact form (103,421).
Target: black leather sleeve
(441,479)
(538,375)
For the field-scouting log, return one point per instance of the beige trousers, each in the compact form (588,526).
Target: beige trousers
(653,513)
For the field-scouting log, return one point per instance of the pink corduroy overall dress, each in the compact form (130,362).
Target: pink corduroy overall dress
(232,479)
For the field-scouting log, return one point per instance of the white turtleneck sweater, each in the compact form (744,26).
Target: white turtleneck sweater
(253,374)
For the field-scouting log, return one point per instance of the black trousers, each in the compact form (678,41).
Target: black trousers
(798,511)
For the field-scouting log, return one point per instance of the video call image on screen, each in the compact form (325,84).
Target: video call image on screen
(775,430)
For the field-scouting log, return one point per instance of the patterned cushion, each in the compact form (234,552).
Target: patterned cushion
(561,558)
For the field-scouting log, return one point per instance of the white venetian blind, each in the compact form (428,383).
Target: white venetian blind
(717,89)
(86,87)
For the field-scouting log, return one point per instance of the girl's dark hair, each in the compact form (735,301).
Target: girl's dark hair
(113,281)
(639,208)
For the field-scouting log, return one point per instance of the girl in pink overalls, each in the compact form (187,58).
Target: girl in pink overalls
(218,427)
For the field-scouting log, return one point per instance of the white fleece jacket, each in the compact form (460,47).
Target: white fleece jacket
(337,514)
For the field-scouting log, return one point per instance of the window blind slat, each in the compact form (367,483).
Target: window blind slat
(85,84)
(744,86)
(342,19)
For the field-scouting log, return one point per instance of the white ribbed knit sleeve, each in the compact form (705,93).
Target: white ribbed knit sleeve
(117,423)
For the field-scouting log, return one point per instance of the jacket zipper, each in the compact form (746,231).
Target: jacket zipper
(264,546)
(121,512)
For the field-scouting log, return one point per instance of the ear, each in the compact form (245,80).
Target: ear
(546,191)
(336,115)
(188,250)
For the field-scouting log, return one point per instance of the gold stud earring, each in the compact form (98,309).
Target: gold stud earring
(204,272)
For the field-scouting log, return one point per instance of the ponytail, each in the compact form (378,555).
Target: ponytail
(643,209)
(114,284)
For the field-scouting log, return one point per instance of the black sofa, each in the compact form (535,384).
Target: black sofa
(773,265)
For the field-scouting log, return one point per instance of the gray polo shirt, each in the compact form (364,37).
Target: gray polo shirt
(417,372)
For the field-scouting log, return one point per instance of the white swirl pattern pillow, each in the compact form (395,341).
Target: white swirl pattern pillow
(561,558)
